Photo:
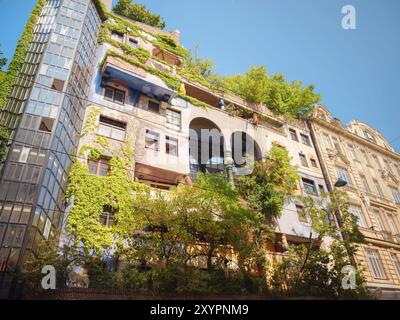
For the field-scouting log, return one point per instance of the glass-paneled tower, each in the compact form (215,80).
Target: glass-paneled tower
(44,113)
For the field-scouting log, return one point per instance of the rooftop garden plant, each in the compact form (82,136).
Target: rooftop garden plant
(138,12)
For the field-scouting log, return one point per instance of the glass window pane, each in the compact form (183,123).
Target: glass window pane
(92,167)
(104,130)
(119,96)
(109,93)
(118,134)
(171,146)
(15,235)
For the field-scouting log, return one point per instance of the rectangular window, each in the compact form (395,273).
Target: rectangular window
(58,85)
(114,95)
(344,175)
(152,140)
(392,224)
(396,264)
(387,166)
(153,107)
(133,43)
(107,217)
(366,157)
(337,145)
(303,160)
(112,128)
(309,186)
(173,119)
(171,146)
(357,212)
(328,142)
(378,187)
(378,163)
(379,221)
(364,183)
(313,163)
(118,37)
(352,153)
(395,194)
(46,124)
(293,135)
(15,235)
(301,214)
(375,264)
(99,167)
(24,154)
(305,139)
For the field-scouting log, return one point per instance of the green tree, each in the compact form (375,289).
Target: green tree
(314,269)
(139,12)
(284,98)
(3,60)
(272,181)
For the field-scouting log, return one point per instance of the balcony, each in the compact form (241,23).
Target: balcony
(388,236)
(136,78)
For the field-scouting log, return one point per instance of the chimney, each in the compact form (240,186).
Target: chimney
(107,4)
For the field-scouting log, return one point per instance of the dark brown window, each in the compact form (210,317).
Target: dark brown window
(305,139)
(115,95)
(99,167)
(58,85)
(171,146)
(313,163)
(303,160)
(153,107)
(293,134)
(309,186)
(107,216)
(46,124)
(133,43)
(152,140)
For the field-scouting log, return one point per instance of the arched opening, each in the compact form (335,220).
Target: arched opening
(206,147)
(245,152)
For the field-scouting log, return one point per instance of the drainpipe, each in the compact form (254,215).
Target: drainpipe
(330,186)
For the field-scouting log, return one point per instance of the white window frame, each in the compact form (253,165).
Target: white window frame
(357,211)
(392,224)
(170,124)
(344,174)
(375,264)
(395,194)
(396,263)
(151,134)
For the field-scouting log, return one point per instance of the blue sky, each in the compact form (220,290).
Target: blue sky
(356,71)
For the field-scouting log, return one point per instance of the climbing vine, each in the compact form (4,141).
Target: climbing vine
(7,81)
(91,194)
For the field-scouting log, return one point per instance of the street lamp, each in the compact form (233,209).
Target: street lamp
(228,163)
(340,183)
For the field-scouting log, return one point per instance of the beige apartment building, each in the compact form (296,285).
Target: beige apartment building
(362,157)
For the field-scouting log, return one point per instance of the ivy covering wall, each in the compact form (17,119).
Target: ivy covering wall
(20,53)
